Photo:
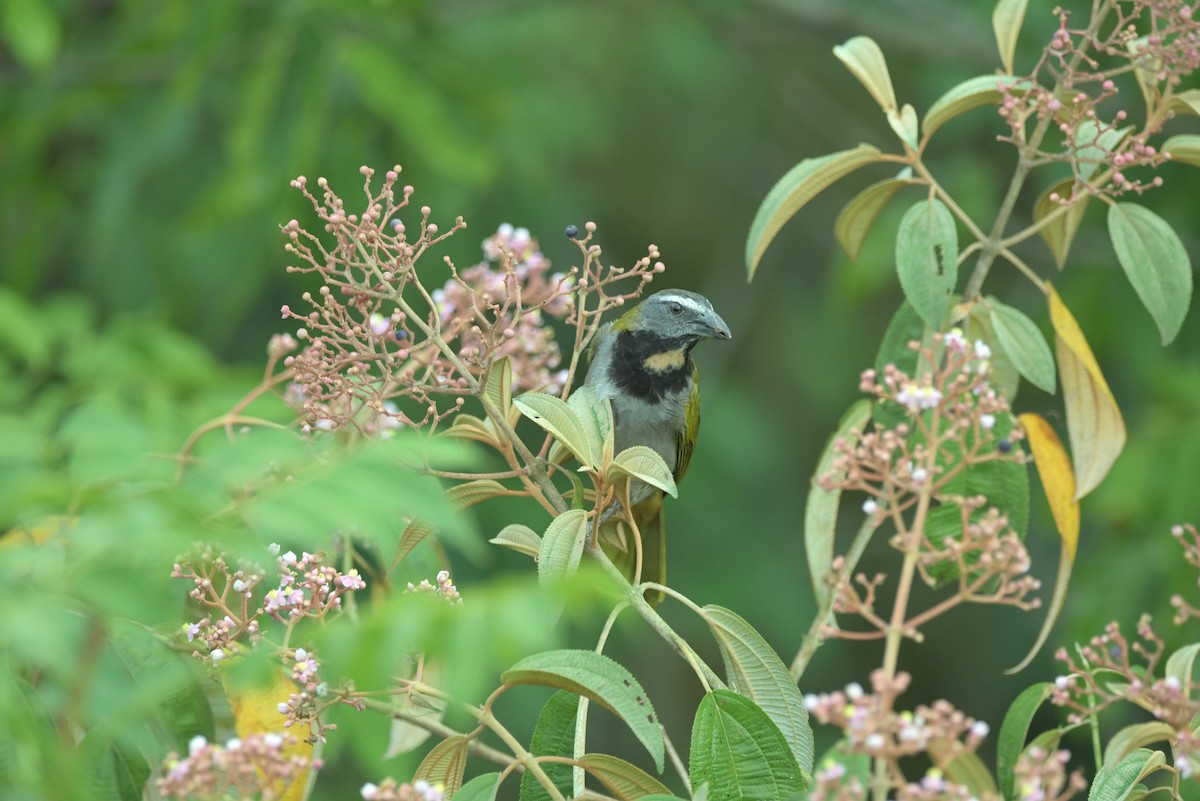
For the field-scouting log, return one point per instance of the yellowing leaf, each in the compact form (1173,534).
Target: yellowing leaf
(256,711)
(801,184)
(1058,479)
(865,60)
(1060,232)
(1094,424)
(855,220)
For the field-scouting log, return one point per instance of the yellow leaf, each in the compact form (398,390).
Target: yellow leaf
(1094,424)
(1058,479)
(256,711)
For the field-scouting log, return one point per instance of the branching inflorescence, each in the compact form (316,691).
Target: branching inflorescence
(913,475)
(1098,142)
(385,344)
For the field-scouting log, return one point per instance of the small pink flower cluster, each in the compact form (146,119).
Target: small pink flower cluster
(381,349)
(389,790)
(1105,674)
(1190,540)
(1042,776)
(951,416)
(444,588)
(307,588)
(1159,40)
(873,727)
(495,309)
(256,766)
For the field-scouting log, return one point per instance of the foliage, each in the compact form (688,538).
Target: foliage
(301,526)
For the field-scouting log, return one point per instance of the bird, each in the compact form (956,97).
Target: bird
(642,364)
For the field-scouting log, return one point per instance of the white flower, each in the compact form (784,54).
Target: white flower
(987,421)
(982,351)
(369,790)
(196,744)
(869,506)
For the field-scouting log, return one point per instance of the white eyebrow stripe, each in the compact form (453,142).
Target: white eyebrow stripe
(691,303)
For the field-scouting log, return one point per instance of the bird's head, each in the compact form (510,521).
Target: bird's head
(675,315)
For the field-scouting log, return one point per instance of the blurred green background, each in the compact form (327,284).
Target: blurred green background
(146,150)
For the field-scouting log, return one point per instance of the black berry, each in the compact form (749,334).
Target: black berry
(572,231)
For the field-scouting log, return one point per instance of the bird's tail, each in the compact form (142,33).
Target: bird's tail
(616,537)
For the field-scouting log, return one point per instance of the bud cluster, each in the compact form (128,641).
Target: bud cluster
(873,727)
(306,588)
(383,345)
(949,420)
(256,766)
(1157,40)
(1111,669)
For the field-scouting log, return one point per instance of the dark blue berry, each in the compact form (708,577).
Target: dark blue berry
(1004,445)
(572,231)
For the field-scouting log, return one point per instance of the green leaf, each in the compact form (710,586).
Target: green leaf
(113,771)
(596,418)
(445,764)
(1137,735)
(1116,782)
(625,781)
(166,682)
(1013,731)
(1024,343)
(467,426)
(800,185)
(1184,147)
(927,259)
(554,735)
(600,679)
(1185,102)
(865,61)
(644,463)
(1155,262)
(754,670)
(481,788)
(519,538)
(1006,23)
(1059,233)
(560,420)
(1180,664)
(967,770)
(562,546)
(855,220)
(740,752)
(973,93)
(498,387)
(1093,146)
(1003,375)
(904,124)
(470,493)
(821,509)
(32,31)
(905,326)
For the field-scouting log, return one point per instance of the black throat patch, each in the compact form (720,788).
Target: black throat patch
(649,367)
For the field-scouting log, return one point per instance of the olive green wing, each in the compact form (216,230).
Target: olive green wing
(687,440)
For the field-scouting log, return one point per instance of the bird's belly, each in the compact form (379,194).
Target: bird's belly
(643,424)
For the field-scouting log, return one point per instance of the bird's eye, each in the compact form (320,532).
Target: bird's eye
(676,308)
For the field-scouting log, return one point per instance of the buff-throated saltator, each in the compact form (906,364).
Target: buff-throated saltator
(642,364)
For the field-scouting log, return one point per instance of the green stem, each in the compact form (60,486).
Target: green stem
(813,640)
(633,595)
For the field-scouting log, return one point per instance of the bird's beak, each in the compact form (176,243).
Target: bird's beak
(714,327)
